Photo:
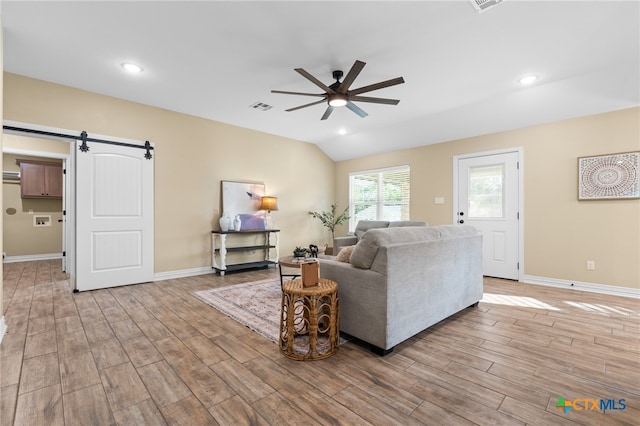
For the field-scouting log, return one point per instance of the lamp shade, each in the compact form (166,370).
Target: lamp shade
(269,204)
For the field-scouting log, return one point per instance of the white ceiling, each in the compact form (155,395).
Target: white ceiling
(214,59)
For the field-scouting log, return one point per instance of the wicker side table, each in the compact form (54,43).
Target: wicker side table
(309,320)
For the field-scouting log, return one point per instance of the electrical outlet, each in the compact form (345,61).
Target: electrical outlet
(591,265)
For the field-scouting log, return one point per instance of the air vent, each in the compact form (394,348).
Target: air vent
(482,5)
(10,175)
(261,106)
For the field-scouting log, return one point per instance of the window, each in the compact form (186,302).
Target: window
(379,195)
(486,191)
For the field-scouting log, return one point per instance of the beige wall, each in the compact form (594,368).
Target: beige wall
(34,146)
(20,236)
(192,156)
(560,233)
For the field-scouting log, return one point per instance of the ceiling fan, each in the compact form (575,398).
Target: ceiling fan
(338,93)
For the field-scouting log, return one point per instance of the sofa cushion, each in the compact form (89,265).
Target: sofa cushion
(366,250)
(364,225)
(400,223)
(345,254)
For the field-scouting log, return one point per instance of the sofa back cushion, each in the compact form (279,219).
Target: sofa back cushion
(400,223)
(364,225)
(364,253)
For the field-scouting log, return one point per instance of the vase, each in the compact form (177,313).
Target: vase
(237,223)
(225,222)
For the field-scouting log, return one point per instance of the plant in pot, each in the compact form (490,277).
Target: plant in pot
(299,252)
(330,219)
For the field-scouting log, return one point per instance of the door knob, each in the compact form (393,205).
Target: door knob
(461,221)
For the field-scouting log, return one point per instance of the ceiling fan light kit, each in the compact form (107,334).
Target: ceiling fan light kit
(337,100)
(338,93)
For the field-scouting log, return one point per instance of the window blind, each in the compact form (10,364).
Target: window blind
(382,194)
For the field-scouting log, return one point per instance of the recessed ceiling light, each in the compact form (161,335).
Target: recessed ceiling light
(342,132)
(132,68)
(528,79)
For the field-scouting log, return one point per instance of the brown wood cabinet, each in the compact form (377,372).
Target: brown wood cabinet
(39,179)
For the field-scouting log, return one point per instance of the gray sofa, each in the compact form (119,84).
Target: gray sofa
(400,281)
(364,225)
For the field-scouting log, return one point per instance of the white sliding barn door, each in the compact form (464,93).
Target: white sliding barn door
(114,216)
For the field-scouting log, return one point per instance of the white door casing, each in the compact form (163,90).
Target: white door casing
(70,215)
(114,216)
(487,195)
(65,197)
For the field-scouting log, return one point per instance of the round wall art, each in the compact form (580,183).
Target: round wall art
(607,177)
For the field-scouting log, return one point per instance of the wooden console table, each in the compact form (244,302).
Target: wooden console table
(219,249)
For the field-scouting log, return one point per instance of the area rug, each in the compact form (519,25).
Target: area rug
(255,304)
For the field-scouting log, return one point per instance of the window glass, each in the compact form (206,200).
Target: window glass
(486,191)
(379,195)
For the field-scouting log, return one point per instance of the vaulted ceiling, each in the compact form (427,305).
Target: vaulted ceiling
(216,59)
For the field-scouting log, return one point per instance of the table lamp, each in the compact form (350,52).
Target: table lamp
(269,204)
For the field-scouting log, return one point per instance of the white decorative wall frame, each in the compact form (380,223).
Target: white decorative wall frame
(609,177)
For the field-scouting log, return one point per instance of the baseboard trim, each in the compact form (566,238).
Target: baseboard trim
(583,286)
(3,328)
(32,257)
(183,273)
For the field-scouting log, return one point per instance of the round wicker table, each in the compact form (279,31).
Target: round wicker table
(309,320)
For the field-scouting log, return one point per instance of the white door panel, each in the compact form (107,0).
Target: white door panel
(488,199)
(114,216)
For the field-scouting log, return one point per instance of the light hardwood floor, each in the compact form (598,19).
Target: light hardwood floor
(154,354)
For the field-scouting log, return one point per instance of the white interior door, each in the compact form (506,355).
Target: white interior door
(114,216)
(488,199)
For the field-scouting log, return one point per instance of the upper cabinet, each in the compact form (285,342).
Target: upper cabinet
(40,179)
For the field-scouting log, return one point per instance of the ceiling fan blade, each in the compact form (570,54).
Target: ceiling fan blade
(351,76)
(306,105)
(355,108)
(327,113)
(376,86)
(374,100)
(284,92)
(315,81)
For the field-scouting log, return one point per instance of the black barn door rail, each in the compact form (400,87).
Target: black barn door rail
(84,138)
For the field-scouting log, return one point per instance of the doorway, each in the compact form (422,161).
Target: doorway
(33,227)
(110,182)
(488,196)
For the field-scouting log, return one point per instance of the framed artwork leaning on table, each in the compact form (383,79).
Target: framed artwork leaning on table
(243,199)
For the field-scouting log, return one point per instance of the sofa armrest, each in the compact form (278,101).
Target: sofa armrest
(341,242)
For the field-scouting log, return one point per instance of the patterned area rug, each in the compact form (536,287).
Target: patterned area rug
(255,305)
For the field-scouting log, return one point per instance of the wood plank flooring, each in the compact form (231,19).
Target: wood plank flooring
(154,354)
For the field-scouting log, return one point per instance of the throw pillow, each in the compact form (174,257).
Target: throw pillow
(345,254)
